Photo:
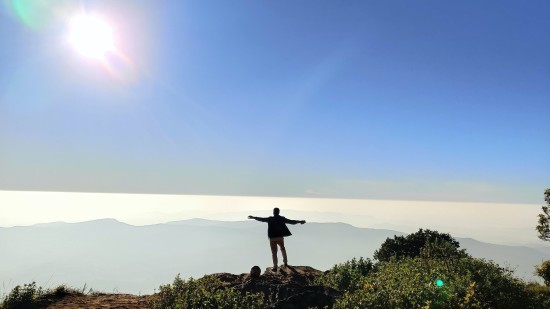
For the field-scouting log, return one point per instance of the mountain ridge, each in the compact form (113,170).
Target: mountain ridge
(108,254)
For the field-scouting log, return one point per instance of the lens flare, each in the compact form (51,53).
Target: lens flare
(31,13)
(37,14)
(91,36)
(439,282)
(120,67)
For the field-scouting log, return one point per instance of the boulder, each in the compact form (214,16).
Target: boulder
(290,287)
(255,272)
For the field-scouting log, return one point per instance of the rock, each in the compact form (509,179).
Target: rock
(290,287)
(303,275)
(255,272)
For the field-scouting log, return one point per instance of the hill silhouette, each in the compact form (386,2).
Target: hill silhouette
(425,269)
(112,256)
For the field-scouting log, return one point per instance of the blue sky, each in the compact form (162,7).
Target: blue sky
(419,100)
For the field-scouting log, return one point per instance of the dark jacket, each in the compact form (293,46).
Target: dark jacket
(276,226)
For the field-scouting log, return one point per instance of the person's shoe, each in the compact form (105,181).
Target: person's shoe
(274,269)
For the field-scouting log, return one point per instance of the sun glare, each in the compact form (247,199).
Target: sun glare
(91,36)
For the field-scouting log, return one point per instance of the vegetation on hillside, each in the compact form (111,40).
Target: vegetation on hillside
(348,276)
(437,283)
(30,296)
(204,293)
(543,226)
(543,233)
(426,269)
(543,271)
(431,244)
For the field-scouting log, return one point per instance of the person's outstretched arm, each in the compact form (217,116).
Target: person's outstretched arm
(258,218)
(289,221)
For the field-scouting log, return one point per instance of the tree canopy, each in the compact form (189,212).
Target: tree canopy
(425,243)
(543,227)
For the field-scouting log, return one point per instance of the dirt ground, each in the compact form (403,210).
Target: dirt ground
(107,301)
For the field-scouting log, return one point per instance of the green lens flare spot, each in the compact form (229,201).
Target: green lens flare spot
(34,13)
(439,282)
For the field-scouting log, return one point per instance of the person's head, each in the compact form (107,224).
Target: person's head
(276,211)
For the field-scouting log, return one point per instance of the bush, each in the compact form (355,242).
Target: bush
(425,243)
(543,271)
(347,276)
(438,283)
(207,292)
(29,296)
(23,297)
(539,295)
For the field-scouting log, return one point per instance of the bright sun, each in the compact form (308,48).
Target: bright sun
(91,36)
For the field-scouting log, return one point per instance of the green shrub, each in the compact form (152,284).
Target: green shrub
(23,297)
(207,292)
(29,296)
(425,243)
(347,276)
(413,283)
(543,271)
(539,296)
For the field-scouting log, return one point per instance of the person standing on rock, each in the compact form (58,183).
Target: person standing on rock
(276,231)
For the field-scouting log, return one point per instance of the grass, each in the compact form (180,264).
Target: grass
(30,296)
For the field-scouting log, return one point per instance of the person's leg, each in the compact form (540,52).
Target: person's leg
(273,245)
(283,251)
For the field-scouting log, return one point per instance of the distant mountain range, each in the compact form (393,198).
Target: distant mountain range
(108,255)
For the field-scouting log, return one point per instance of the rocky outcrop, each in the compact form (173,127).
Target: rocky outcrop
(290,287)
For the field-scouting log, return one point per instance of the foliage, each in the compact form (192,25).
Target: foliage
(29,296)
(207,292)
(425,269)
(23,297)
(539,295)
(543,271)
(543,227)
(412,283)
(426,243)
(347,276)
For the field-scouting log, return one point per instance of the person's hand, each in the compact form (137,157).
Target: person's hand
(250,217)
(303,221)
